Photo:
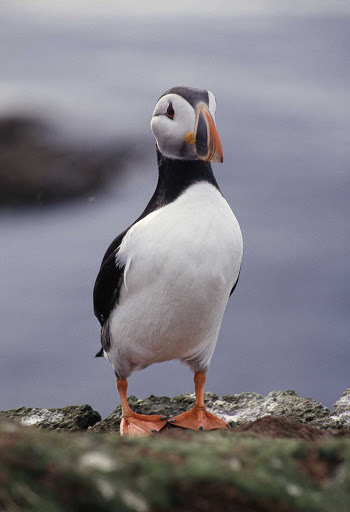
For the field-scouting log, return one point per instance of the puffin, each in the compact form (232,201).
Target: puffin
(164,282)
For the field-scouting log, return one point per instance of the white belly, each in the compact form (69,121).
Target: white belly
(181,263)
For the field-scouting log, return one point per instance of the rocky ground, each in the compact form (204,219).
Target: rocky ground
(282,453)
(36,169)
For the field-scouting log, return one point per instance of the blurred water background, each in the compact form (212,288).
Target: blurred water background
(94,70)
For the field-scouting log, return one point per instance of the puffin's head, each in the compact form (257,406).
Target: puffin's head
(183,125)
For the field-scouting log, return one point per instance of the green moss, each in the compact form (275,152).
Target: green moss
(266,468)
(44,471)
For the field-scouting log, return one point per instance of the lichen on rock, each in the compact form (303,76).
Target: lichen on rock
(68,419)
(245,407)
(237,409)
(340,416)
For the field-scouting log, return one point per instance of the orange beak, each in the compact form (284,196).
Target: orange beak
(208,145)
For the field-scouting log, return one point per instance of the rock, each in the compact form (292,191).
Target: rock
(247,407)
(152,405)
(282,428)
(340,416)
(36,170)
(177,471)
(235,409)
(68,419)
(274,458)
(243,409)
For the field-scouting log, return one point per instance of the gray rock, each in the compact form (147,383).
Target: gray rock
(37,169)
(246,407)
(71,418)
(340,416)
(240,409)
(235,409)
(162,405)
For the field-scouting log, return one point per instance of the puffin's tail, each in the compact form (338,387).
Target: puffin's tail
(100,353)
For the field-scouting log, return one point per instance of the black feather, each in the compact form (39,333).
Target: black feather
(234,286)
(107,287)
(99,353)
(190,94)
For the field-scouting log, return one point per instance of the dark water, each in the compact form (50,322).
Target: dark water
(283,116)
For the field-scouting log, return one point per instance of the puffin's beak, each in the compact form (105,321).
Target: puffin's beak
(208,143)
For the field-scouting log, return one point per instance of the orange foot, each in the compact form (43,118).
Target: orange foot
(198,418)
(138,425)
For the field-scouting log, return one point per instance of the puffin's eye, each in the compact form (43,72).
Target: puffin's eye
(170,111)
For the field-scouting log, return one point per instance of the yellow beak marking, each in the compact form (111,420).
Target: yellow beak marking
(190,138)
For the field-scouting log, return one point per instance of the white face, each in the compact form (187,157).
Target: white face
(173,118)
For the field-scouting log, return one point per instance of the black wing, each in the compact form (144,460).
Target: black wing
(114,246)
(107,288)
(108,281)
(106,291)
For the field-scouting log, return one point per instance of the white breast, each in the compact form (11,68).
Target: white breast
(181,263)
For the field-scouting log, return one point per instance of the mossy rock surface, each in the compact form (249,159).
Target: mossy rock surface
(176,471)
(282,453)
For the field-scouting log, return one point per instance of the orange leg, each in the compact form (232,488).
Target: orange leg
(198,418)
(134,424)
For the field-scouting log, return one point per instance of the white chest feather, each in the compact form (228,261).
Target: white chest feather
(181,263)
